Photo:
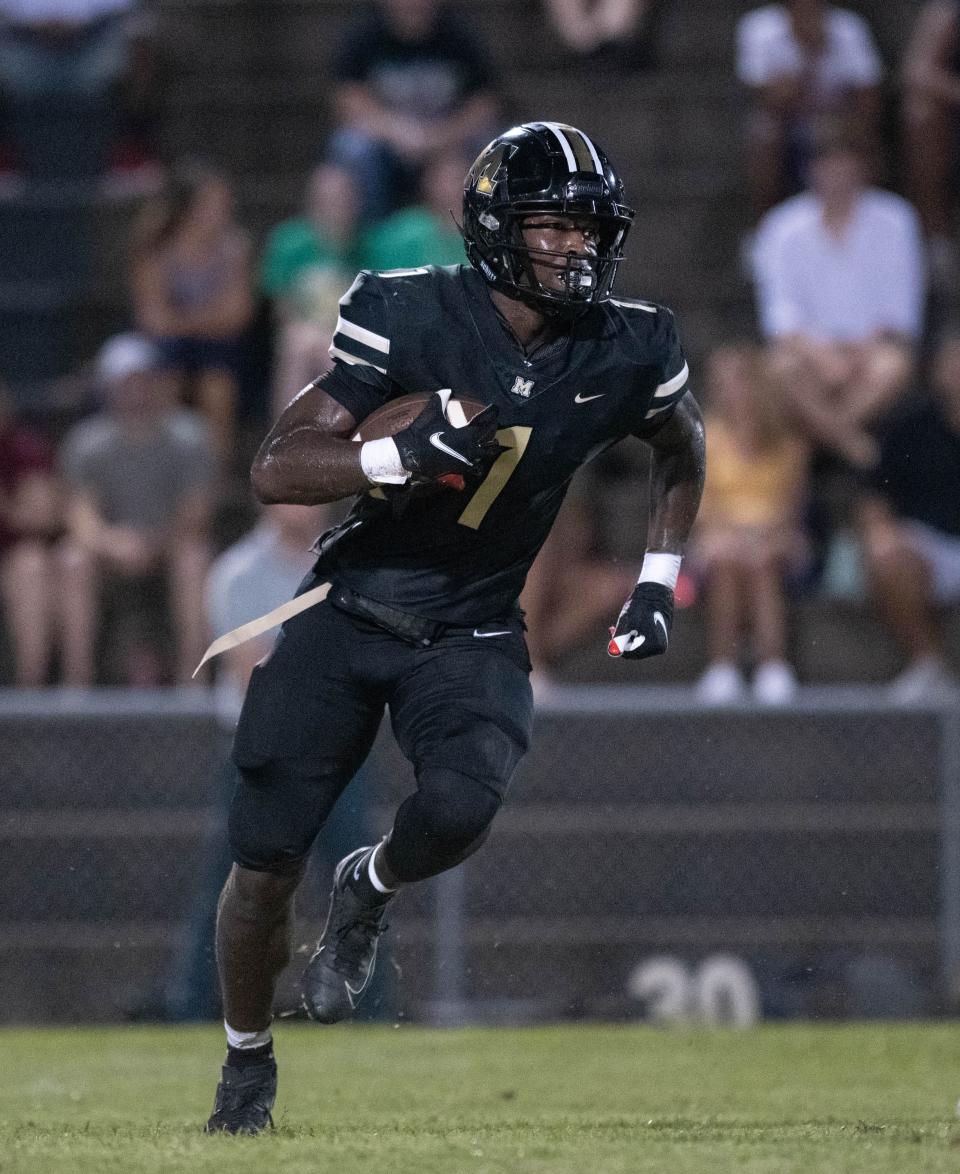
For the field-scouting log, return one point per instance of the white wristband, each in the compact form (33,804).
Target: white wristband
(662,568)
(380,461)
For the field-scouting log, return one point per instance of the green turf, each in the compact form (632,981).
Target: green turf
(573,1100)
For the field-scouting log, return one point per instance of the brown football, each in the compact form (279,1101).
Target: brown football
(398,413)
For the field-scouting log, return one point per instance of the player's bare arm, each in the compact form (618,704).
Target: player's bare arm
(308,457)
(677,471)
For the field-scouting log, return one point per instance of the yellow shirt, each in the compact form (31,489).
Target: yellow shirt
(743,489)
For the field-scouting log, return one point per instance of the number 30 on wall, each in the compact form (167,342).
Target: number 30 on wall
(721,989)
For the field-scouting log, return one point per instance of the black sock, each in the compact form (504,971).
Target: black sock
(244,1057)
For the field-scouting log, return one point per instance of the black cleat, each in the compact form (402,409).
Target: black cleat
(245,1097)
(342,964)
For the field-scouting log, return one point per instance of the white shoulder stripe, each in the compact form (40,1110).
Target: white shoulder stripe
(634,305)
(561,138)
(402,272)
(672,385)
(336,353)
(361,334)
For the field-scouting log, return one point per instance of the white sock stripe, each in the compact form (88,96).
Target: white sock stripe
(376,341)
(245,1040)
(372,873)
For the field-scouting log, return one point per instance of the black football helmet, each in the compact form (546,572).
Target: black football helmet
(532,169)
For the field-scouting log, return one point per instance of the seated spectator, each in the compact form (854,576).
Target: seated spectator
(840,291)
(192,291)
(30,518)
(931,121)
(603,29)
(138,515)
(427,233)
(748,538)
(307,265)
(411,80)
(67,70)
(910,525)
(258,573)
(802,61)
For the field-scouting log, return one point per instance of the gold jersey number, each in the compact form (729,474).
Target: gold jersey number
(515,440)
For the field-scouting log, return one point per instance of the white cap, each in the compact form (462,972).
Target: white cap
(126,354)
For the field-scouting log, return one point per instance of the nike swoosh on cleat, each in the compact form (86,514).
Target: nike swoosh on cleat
(438,443)
(658,619)
(585,399)
(484,635)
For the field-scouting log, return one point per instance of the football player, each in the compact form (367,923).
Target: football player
(422,612)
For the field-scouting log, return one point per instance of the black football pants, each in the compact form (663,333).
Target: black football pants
(461,711)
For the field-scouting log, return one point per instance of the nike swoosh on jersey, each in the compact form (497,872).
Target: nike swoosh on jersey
(438,443)
(585,399)
(484,635)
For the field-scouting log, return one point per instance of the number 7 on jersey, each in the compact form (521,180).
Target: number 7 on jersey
(515,440)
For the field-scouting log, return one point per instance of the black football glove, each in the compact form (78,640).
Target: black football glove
(430,447)
(643,626)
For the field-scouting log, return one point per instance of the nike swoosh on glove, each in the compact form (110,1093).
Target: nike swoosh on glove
(430,447)
(643,626)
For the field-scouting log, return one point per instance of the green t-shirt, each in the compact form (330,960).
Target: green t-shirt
(409,238)
(303,266)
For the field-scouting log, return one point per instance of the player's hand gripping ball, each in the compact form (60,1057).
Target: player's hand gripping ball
(439,438)
(643,626)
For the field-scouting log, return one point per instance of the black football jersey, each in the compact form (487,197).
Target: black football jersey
(463,557)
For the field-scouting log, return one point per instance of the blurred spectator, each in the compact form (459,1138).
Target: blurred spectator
(138,517)
(250,578)
(192,291)
(840,289)
(801,61)
(427,233)
(30,518)
(76,76)
(931,121)
(911,529)
(603,29)
(307,265)
(571,589)
(748,537)
(411,79)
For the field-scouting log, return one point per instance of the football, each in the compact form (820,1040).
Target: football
(398,413)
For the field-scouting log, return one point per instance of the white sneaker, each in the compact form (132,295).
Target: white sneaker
(774,683)
(925,680)
(721,684)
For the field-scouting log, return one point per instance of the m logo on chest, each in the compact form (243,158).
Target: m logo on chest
(522,386)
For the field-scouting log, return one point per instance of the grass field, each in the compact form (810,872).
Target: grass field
(571,1100)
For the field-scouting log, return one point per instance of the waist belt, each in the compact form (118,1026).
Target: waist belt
(415,629)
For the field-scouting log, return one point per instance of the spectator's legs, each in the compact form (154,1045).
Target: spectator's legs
(768,609)
(216,392)
(79,613)
(901,589)
(27,581)
(726,590)
(880,376)
(188,565)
